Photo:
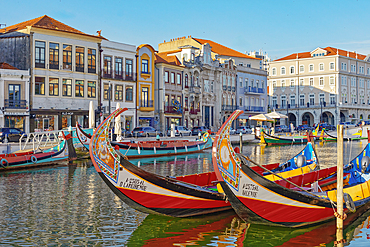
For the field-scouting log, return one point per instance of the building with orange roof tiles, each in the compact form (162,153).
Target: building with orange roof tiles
(327,85)
(63,63)
(211,90)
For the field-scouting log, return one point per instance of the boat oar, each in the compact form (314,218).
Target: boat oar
(267,170)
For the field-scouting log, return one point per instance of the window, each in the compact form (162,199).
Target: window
(292,101)
(292,69)
(301,81)
(39,85)
(344,98)
(283,101)
(344,80)
(91,60)
(186,80)
(173,78)
(301,100)
(368,84)
(283,83)
(368,71)
(344,66)
(118,62)
(321,66)
(301,68)
(311,67)
(246,82)
(331,80)
(322,98)
(292,83)
(211,86)
(166,100)
(79,88)
(283,70)
(331,65)
(67,57)
(106,89)
(144,96)
(273,71)
(186,103)
(361,70)
(39,54)
(353,81)
(273,85)
(361,83)
(311,82)
(178,79)
(118,93)
(91,89)
(53,86)
(312,99)
(240,82)
(129,69)
(144,66)
(53,56)
(166,79)
(353,68)
(107,66)
(67,87)
(14,94)
(80,51)
(129,93)
(332,99)
(274,102)
(321,81)
(206,86)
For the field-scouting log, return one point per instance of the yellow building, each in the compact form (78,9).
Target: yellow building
(145,85)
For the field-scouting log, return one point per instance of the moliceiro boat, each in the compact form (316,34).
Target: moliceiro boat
(277,140)
(181,196)
(19,160)
(259,200)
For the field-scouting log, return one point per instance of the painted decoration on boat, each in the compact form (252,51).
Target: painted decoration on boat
(227,161)
(106,157)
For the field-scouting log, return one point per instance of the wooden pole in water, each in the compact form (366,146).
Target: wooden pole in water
(340,175)
(241,142)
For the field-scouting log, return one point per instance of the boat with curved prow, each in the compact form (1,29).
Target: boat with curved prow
(20,160)
(258,200)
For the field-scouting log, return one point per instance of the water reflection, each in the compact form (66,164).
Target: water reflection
(71,205)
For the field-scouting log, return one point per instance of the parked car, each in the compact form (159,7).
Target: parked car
(281,128)
(198,129)
(145,132)
(10,134)
(327,126)
(362,122)
(179,131)
(348,125)
(243,130)
(304,127)
(232,131)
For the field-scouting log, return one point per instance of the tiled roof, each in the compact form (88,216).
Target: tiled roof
(163,57)
(6,66)
(330,52)
(45,22)
(223,50)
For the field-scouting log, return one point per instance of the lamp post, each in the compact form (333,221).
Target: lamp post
(109,96)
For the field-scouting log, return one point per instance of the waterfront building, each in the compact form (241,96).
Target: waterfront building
(323,85)
(170,103)
(14,85)
(212,70)
(119,81)
(145,56)
(64,70)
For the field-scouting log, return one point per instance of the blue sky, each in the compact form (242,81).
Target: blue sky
(277,27)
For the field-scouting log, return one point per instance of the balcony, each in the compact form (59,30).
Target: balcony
(224,87)
(307,105)
(15,104)
(146,103)
(194,111)
(171,109)
(229,107)
(119,75)
(194,89)
(254,90)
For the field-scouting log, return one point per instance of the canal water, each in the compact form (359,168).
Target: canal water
(70,205)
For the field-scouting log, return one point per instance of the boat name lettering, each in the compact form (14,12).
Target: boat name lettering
(134,183)
(250,190)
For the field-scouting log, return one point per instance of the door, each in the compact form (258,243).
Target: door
(14,95)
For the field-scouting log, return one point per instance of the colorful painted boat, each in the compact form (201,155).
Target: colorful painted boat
(180,196)
(258,200)
(330,137)
(277,140)
(19,160)
(82,136)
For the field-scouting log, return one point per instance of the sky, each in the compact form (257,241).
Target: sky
(278,28)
